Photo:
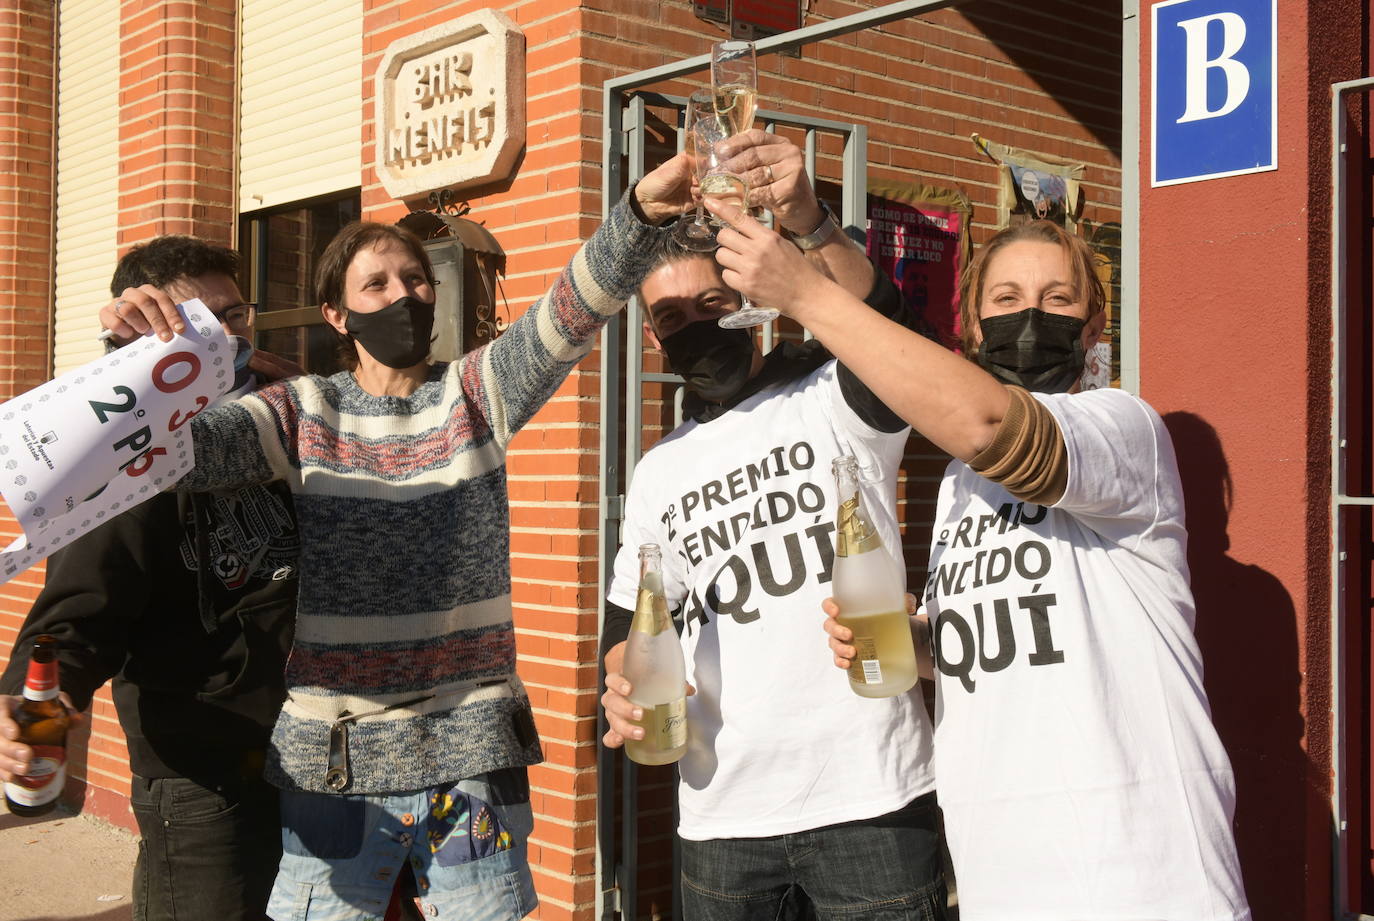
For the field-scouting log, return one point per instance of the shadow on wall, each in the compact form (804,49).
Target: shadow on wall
(78,762)
(1248,635)
(1071,51)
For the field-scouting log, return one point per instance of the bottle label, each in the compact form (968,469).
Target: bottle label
(866,669)
(46,777)
(665,726)
(41,681)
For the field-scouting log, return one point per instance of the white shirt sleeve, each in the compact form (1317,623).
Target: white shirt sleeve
(640,527)
(1123,477)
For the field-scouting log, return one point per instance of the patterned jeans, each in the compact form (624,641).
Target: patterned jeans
(466,842)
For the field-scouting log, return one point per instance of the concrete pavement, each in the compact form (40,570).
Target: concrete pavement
(64,867)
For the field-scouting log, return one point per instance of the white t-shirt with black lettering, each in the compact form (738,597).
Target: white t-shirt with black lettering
(744,509)
(1080,774)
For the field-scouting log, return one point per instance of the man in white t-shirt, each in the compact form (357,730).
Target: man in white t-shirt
(796,795)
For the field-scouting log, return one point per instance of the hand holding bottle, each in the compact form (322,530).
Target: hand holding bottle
(42,720)
(622,714)
(842,637)
(868,583)
(15,756)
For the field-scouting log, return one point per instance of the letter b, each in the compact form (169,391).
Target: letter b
(1198,64)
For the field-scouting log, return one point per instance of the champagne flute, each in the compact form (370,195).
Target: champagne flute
(734,84)
(698,234)
(734,89)
(719,184)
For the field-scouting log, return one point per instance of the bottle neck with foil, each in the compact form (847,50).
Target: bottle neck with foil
(854,531)
(651,606)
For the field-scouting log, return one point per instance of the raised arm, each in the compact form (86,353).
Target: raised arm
(951,401)
(240,443)
(511,378)
(775,170)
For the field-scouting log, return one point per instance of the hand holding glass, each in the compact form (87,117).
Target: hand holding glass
(719,184)
(698,234)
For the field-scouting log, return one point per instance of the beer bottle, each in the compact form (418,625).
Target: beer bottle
(43,721)
(868,587)
(653,664)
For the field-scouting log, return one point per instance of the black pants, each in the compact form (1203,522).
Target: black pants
(886,868)
(206,852)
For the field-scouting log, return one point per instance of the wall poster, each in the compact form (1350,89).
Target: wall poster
(920,236)
(1034,186)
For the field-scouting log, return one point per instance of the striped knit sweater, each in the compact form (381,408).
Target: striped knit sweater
(403,517)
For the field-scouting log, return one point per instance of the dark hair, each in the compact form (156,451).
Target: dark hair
(1082,262)
(668,251)
(163,260)
(333,265)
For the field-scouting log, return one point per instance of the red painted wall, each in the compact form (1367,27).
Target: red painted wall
(1235,333)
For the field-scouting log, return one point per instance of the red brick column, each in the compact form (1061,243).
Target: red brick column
(176,119)
(27,66)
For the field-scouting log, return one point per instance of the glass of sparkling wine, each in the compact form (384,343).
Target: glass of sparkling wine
(718,184)
(713,179)
(734,88)
(697,234)
(734,84)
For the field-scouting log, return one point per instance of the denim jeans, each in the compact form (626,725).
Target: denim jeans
(467,844)
(882,869)
(204,851)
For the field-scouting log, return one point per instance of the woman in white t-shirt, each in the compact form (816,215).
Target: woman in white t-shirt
(1076,762)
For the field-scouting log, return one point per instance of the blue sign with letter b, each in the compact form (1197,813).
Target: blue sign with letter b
(1214,89)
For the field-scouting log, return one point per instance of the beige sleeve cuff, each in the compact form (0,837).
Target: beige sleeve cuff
(1027,456)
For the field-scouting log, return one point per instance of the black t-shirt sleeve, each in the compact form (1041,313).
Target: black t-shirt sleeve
(95,590)
(616,628)
(887,300)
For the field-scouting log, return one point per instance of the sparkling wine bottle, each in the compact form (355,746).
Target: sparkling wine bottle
(868,590)
(653,664)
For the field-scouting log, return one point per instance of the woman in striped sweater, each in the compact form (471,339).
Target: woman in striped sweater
(406,734)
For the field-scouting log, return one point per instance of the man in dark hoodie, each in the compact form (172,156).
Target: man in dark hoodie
(187,603)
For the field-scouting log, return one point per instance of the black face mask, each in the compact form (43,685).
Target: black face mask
(397,335)
(1042,352)
(715,362)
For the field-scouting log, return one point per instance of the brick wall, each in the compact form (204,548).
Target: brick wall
(27,132)
(26,192)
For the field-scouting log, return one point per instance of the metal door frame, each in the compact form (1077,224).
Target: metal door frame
(1341,501)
